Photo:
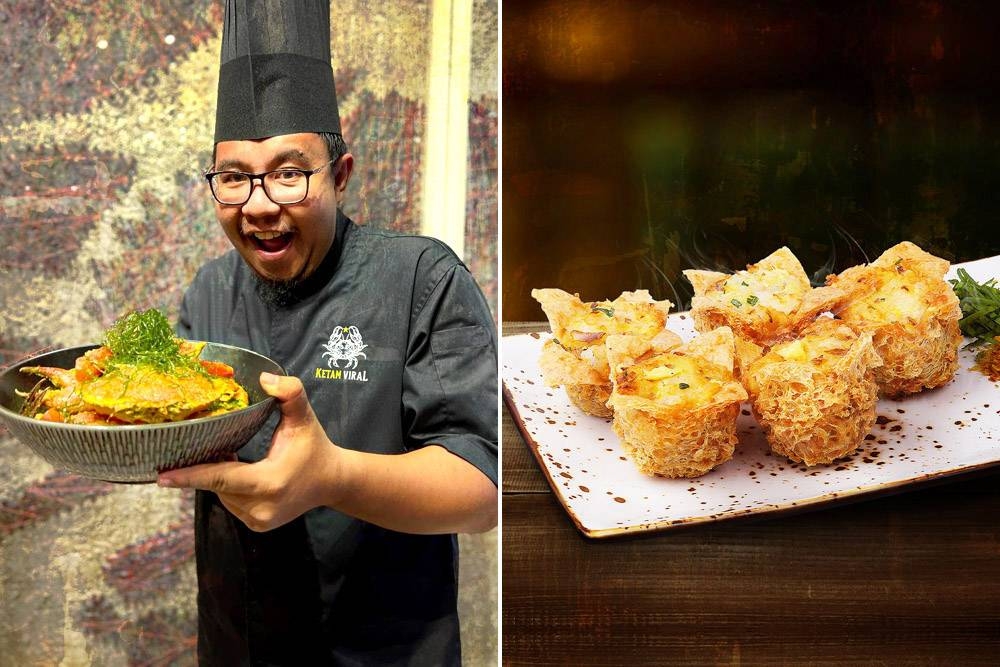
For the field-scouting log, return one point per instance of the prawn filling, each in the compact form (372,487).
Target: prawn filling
(897,296)
(578,325)
(779,290)
(672,379)
(761,304)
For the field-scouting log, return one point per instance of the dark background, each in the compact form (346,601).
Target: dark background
(643,138)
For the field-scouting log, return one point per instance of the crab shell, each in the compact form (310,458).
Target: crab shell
(141,394)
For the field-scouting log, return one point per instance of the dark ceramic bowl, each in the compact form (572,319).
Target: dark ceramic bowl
(137,453)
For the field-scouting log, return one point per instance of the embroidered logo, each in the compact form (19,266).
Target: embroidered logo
(345,344)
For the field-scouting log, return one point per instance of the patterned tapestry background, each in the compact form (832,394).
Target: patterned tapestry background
(106,120)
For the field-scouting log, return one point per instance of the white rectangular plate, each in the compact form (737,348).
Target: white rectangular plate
(935,434)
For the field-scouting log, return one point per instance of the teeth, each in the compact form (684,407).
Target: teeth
(266,236)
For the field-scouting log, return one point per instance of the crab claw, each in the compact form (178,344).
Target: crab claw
(60,377)
(92,363)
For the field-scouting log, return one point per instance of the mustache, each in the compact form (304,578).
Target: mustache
(247,230)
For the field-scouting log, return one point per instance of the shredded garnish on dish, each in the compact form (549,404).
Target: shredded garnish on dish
(980,304)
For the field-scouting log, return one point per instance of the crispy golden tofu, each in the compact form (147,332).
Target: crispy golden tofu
(675,408)
(815,396)
(576,358)
(912,314)
(762,304)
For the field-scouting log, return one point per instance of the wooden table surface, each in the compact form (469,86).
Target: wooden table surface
(908,579)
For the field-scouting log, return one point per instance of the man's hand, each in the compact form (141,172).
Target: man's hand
(281,487)
(429,490)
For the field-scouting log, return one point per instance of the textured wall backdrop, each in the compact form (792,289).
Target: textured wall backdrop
(106,120)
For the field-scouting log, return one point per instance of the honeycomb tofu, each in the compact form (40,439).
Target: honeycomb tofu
(675,410)
(912,314)
(815,396)
(762,304)
(576,357)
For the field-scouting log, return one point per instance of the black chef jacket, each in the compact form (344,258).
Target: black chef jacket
(396,348)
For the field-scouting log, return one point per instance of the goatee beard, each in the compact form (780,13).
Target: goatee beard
(276,293)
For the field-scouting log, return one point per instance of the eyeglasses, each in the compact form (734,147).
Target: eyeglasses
(282,186)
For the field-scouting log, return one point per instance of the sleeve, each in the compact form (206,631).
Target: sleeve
(193,308)
(184,326)
(450,393)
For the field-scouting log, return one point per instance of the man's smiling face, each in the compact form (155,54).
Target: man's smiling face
(283,243)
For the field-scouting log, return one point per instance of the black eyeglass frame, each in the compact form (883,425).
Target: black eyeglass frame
(260,177)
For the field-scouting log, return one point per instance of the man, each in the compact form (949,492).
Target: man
(331,539)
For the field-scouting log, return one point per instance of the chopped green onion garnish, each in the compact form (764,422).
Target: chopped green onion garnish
(736,302)
(752,300)
(145,338)
(980,303)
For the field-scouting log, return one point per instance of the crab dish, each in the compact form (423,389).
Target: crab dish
(141,375)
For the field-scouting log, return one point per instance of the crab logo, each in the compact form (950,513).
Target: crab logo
(345,344)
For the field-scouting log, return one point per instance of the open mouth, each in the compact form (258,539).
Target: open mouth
(271,241)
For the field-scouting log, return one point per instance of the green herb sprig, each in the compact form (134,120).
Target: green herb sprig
(607,310)
(144,339)
(980,304)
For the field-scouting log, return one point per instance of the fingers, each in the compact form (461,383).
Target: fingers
(229,477)
(258,516)
(239,487)
(291,395)
(261,494)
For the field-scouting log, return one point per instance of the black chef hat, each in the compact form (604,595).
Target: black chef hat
(275,75)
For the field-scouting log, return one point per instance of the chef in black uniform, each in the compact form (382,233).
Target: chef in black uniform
(331,541)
